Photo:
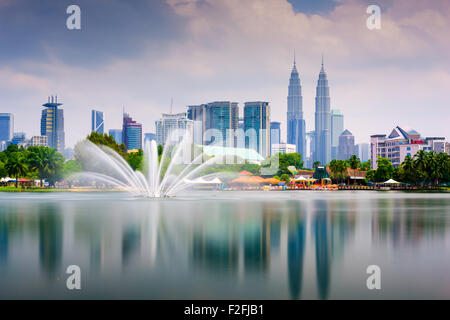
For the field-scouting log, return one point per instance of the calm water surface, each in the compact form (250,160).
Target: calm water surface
(225,245)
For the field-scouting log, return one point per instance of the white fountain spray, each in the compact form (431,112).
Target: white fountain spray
(160,179)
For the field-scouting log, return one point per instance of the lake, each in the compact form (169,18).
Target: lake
(225,245)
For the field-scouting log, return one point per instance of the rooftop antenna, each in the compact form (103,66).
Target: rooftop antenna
(171,106)
(56,99)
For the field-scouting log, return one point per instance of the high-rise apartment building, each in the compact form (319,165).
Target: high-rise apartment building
(172,126)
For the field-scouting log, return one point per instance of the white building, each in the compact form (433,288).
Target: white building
(284,148)
(400,143)
(172,126)
(38,141)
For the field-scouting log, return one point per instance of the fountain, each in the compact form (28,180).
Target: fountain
(175,171)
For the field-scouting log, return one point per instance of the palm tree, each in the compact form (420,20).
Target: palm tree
(443,162)
(15,166)
(408,168)
(54,163)
(354,162)
(432,167)
(421,163)
(37,161)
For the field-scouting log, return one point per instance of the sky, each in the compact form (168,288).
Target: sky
(139,55)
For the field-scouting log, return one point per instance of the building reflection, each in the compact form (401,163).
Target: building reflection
(215,242)
(407,222)
(50,238)
(4,234)
(296,249)
(323,248)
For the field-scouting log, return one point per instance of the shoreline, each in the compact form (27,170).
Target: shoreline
(43,190)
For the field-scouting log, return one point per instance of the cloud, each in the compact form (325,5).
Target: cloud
(243,50)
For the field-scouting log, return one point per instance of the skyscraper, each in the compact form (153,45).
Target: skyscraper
(172,126)
(222,122)
(275,136)
(149,137)
(52,124)
(362,151)
(117,135)
(6,126)
(322,150)
(132,133)
(346,145)
(198,115)
(19,137)
(295,122)
(337,127)
(257,121)
(98,122)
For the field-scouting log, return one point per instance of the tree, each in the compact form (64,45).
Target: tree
(408,172)
(55,164)
(71,167)
(354,162)
(365,166)
(421,164)
(16,166)
(370,175)
(109,141)
(443,170)
(135,159)
(384,171)
(285,178)
(316,164)
(285,161)
(338,169)
(3,172)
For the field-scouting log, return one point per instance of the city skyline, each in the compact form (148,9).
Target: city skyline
(367,81)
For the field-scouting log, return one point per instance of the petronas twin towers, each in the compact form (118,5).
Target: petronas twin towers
(296,124)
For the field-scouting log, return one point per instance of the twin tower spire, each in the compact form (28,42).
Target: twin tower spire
(296,127)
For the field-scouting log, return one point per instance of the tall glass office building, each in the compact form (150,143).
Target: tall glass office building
(275,135)
(222,122)
(52,124)
(6,126)
(132,133)
(98,122)
(337,127)
(322,150)
(256,127)
(198,116)
(117,135)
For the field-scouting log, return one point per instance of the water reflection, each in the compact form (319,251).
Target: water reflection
(297,247)
(296,250)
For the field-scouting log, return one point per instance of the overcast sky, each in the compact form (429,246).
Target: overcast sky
(139,54)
